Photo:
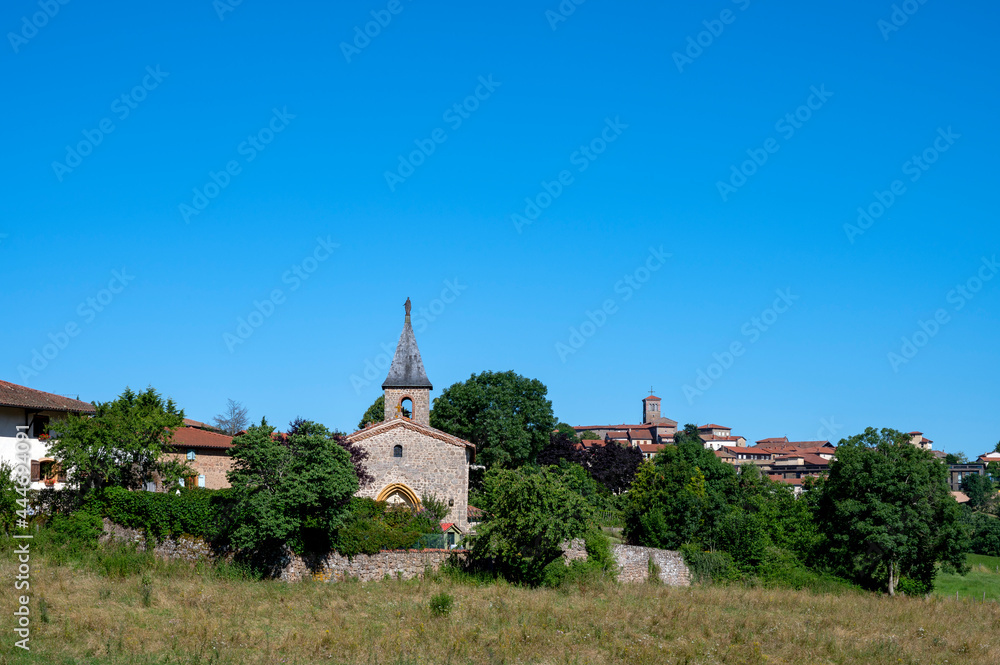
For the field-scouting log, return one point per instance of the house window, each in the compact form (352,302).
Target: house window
(191,455)
(201,481)
(39,425)
(397,451)
(180,481)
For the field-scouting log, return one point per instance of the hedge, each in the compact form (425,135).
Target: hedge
(195,511)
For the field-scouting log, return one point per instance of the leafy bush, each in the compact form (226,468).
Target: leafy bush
(442,603)
(195,511)
(708,567)
(533,513)
(73,533)
(600,564)
(371,527)
(912,587)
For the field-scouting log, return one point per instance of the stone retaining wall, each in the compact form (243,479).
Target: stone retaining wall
(403,564)
(633,565)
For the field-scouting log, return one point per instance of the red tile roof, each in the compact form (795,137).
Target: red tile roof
(653,398)
(914,433)
(641,434)
(618,435)
(192,437)
(651,447)
(780,439)
(194,423)
(22,397)
(714,427)
(712,437)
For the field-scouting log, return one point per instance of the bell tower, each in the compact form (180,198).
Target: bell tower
(651,409)
(407,380)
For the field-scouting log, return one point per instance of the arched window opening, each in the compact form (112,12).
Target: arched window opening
(406,407)
(397,451)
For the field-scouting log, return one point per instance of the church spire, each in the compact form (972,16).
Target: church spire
(407,380)
(407,369)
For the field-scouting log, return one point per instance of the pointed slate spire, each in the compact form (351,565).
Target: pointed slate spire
(407,370)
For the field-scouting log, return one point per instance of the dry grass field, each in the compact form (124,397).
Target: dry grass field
(191,615)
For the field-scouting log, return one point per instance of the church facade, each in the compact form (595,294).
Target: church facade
(408,458)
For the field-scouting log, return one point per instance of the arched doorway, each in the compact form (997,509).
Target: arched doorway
(399,494)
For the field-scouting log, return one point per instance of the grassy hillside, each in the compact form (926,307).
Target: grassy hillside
(983,578)
(181,614)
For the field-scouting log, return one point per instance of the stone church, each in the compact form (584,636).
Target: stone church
(408,458)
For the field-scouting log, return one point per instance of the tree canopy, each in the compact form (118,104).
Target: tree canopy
(505,414)
(291,488)
(532,512)
(613,465)
(122,445)
(680,496)
(887,515)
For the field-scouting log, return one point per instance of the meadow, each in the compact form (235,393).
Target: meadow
(121,607)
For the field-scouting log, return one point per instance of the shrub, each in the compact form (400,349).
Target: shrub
(441,604)
(194,511)
(708,567)
(371,527)
(600,564)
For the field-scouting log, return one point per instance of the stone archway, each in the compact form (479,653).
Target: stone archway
(399,494)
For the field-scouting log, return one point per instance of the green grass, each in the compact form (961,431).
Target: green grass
(983,578)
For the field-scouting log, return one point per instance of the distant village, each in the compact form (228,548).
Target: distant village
(779,458)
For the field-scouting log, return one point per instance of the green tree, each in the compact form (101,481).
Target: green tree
(568,431)
(680,496)
(887,514)
(289,489)
(980,491)
(122,445)
(533,512)
(505,414)
(589,434)
(376,413)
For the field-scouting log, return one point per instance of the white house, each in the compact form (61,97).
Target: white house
(33,410)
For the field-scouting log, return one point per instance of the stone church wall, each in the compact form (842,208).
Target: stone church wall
(633,565)
(428,466)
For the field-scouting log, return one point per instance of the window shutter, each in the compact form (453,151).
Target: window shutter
(35,471)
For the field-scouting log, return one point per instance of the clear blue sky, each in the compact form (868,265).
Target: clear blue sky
(679,127)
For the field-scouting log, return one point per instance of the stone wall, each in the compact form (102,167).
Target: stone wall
(633,565)
(404,564)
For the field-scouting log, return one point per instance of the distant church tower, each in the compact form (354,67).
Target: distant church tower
(650,410)
(407,379)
